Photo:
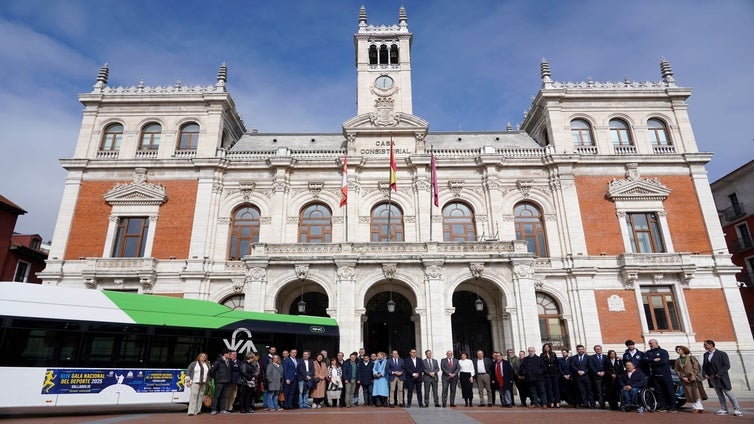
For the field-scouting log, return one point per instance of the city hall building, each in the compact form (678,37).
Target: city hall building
(591,223)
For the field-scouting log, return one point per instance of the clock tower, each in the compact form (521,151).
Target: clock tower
(383,66)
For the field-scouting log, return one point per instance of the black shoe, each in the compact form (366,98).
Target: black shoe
(444,405)
(437,405)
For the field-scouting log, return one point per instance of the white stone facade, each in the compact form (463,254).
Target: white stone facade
(489,172)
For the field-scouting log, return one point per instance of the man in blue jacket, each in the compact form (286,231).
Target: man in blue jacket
(659,366)
(290,373)
(365,379)
(395,369)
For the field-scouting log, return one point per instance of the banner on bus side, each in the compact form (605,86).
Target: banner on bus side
(66,381)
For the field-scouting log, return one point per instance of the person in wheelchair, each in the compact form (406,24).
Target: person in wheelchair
(632,381)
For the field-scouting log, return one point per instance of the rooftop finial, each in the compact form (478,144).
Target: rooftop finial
(667,72)
(509,127)
(362,15)
(222,76)
(402,17)
(544,71)
(102,76)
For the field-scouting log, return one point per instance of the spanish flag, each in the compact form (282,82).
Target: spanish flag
(393,168)
(344,183)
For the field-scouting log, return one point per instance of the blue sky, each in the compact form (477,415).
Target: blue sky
(291,66)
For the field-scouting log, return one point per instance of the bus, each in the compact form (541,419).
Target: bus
(63,347)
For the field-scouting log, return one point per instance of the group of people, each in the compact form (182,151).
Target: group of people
(543,380)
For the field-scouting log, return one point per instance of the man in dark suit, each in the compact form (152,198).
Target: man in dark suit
(449,367)
(305,374)
(631,382)
(483,374)
(414,378)
(715,368)
(598,368)
(365,379)
(504,376)
(580,369)
(290,373)
(396,370)
(431,371)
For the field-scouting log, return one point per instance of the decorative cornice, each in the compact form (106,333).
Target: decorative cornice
(137,193)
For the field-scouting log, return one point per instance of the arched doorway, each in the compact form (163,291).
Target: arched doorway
(385,331)
(471,328)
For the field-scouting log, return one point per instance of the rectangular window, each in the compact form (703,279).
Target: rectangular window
(644,230)
(660,309)
(744,237)
(131,237)
(22,271)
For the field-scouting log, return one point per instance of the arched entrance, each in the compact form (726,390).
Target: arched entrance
(471,328)
(311,293)
(385,331)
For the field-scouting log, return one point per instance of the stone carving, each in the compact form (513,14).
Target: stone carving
(238,284)
(409,219)
(301,271)
(524,186)
(523,271)
(539,284)
(421,184)
(388,270)
(217,187)
(634,188)
(223,221)
(433,271)
(476,268)
(266,220)
(246,188)
(257,273)
(365,219)
(629,279)
(615,304)
(455,187)
(346,272)
(338,219)
(292,220)
(315,189)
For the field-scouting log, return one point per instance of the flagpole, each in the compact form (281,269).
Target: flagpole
(431,189)
(390,193)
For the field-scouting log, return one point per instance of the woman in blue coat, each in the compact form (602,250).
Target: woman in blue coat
(380,384)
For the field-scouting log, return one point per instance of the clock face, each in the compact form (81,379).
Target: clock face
(383,82)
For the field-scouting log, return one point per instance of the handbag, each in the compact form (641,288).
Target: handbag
(207,401)
(252,383)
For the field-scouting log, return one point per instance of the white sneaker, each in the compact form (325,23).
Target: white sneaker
(737,412)
(721,412)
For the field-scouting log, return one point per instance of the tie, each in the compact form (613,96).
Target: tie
(581,358)
(450,362)
(395,361)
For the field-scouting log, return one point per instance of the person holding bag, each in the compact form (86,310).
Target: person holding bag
(689,370)
(247,383)
(197,376)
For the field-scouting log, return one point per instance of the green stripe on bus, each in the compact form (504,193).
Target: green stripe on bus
(180,312)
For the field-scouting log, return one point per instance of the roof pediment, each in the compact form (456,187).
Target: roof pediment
(633,189)
(139,192)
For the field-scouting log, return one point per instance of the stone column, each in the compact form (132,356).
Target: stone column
(348,321)
(437,333)
(255,290)
(526,303)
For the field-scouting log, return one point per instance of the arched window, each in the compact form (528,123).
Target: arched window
(188,138)
(387,223)
(393,54)
(658,133)
(530,227)
(372,54)
(244,230)
(112,137)
(383,55)
(458,223)
(150,137)
(619,133)
(581,132)
(551,326)
(315,224)
(234,302)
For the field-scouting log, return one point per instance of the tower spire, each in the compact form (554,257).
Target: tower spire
(402,18)
(544,71)
(102,76)
(222,76)
(667,72)
(362,16)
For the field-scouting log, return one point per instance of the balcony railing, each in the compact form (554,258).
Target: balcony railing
(734,212)
(663,150)
(741,244)
(624,150)
(586,150)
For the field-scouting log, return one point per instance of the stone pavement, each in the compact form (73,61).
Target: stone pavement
(415,415)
